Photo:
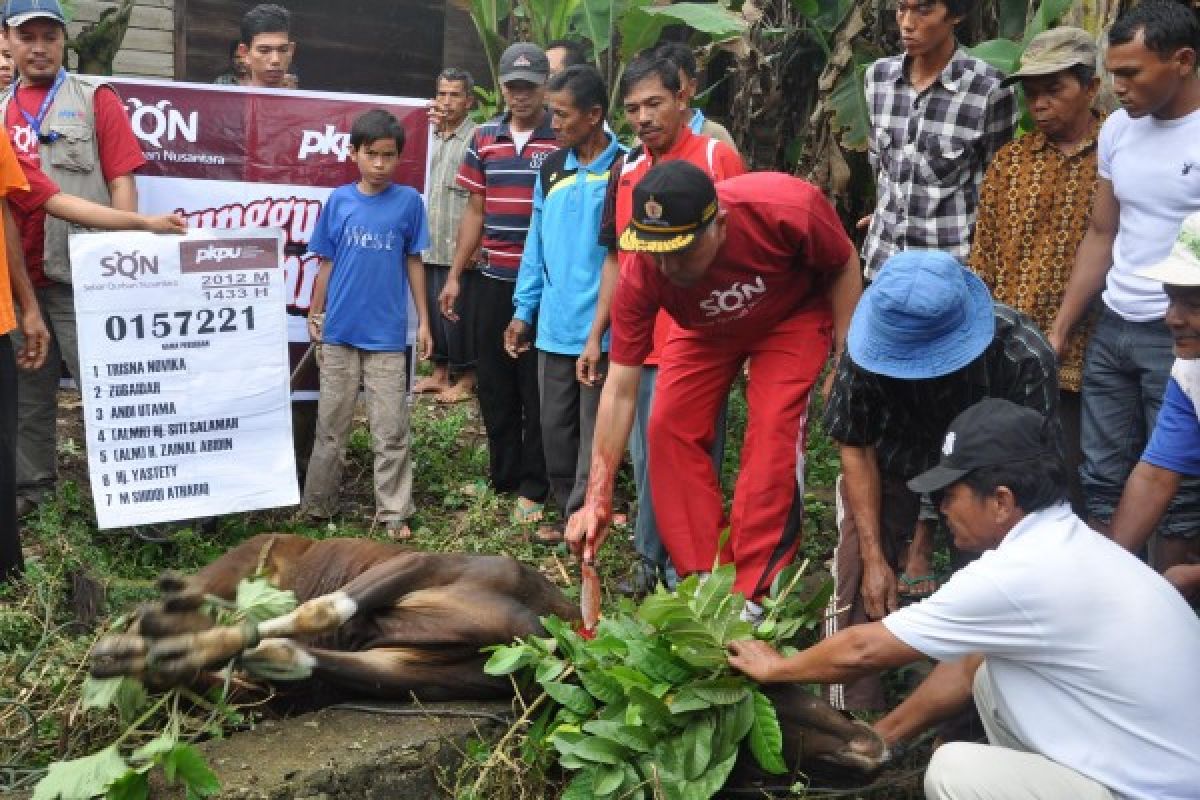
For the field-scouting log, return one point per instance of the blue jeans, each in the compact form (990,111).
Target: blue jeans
(1125,373)
(645,529)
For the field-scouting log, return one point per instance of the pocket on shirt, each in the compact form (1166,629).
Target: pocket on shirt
(943,159)
(74,149)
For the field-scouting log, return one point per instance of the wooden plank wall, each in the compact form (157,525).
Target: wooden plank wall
(149,46)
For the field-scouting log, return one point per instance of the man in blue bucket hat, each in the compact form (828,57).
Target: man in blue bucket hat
(926,342)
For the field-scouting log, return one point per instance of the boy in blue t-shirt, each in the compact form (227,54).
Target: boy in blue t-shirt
(369,235)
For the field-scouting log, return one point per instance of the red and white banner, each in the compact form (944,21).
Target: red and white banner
(234,157)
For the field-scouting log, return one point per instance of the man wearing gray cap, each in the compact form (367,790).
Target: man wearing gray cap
(500,169)
(1035,201)
(1079,658)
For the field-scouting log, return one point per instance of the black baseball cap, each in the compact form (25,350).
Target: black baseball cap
(671,204)
(991,432)
(524,61)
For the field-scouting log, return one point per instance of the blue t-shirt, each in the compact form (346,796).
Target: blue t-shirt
(369,239)
(1175,443)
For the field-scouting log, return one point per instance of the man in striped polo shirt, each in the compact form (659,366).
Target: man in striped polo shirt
(499,170)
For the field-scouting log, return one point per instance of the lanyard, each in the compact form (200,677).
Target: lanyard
(36,122)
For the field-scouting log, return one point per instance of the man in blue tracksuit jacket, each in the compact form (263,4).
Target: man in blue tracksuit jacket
(566,281)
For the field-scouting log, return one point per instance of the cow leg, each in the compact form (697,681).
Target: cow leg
(815,731)
(454,673)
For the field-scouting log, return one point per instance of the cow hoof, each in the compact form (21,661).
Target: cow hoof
(118,654)
(865,751)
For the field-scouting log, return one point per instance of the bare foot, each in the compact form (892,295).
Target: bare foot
(399,532)
(438,382)
(458,393)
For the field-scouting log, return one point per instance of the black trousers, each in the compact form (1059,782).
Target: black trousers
(453,342)
(508,397)
(11,563)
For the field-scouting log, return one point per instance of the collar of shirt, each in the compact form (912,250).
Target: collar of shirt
(696,124)
(1039,141)
(541,132)
(950,76)
(1054,515)
(458,133)
(597,165)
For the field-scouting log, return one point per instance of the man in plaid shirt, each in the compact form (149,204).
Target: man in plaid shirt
(938,116)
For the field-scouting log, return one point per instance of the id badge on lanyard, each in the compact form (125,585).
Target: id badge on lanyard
(36,122)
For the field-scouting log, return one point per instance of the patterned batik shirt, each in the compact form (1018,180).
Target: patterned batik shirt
(929,151)
(906,420)
(444,198)
(1033,212)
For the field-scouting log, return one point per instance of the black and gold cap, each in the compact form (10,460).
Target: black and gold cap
(671,204)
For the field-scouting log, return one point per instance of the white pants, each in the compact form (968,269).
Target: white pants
(1003,769)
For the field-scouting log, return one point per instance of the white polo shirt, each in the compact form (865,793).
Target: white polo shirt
(1095,658)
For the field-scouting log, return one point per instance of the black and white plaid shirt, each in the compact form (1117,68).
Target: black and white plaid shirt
(906,420)
(930,151)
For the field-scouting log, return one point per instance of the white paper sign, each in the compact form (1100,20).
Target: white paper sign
(183,350)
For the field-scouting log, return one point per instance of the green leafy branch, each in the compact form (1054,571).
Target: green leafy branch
(650,707)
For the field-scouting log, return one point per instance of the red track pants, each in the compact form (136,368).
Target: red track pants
(695,374)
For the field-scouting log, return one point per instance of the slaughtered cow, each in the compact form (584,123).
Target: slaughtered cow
(376,619)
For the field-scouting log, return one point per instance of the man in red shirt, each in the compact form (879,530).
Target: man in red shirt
(75,130)
(757,267)
(656,104)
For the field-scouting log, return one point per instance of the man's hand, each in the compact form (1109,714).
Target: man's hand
(588,528)
(316,325)
(879,589)
(448,298)
(164,223)
(32,353)
(424,343)
(1057,337)
(587,367)
(516,338)
(437,117)
(755,659)
(864,223)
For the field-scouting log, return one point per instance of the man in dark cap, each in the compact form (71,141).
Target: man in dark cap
(499,170)
(757,267)
(1085,691)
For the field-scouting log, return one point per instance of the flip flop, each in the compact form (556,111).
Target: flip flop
(526,511)
(421,387)
(549,534)
(907,584)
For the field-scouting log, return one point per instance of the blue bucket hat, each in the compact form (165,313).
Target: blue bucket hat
(925,316)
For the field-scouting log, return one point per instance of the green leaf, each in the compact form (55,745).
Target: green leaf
(687,701)
(82,778)
(506,660)
(714,590)
(258,600)
(589,748)
(656,661)
(1003,54)
(125,693)
(154,749)
(570,697)
(722,691)
(713,780)
(628,677)
(851,115)
(1048,14)
(699,740)
(646,709)
(766,738)
(627,736)
(548,669)
(580,787)
(133,785)
(600,686)
(608,779)
(806,8)
(186,762)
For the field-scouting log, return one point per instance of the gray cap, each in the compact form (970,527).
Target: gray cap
(524,62)
(1055,50)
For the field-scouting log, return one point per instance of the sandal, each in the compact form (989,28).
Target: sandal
(908,586)
(549,534)
(526,511)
